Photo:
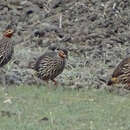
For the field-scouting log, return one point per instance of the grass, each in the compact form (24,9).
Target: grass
(63,109)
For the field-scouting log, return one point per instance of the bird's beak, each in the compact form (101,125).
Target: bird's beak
(113,80)
(62,54)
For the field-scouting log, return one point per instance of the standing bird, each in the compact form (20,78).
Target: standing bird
(6,48)
(51,64)
(121,74)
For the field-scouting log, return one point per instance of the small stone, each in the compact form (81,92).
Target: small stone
(55,3)
(8,101)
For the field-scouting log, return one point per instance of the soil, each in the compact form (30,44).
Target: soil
(95,32)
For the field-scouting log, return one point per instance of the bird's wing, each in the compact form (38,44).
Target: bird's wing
(5,48)
(2,51)
(122,68)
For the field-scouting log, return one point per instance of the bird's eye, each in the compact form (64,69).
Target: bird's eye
(9,31)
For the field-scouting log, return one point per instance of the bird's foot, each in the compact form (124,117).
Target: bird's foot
(55,83)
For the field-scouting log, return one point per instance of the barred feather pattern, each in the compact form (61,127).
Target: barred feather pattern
(49,66)
(125,76)
(122,72)
(6,50)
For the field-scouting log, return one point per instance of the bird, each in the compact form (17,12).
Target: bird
(6,49)
(121,74)
(49,65)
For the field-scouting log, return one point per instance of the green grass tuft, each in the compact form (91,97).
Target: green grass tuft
(63,109)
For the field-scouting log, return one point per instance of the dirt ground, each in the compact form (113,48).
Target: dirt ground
(95,32)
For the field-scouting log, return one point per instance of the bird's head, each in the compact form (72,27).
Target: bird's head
(8,33)
(63,53)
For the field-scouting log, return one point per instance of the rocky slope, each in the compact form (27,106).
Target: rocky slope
(96,33)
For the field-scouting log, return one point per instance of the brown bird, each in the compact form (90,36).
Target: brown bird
(6,49)
(51,64)
(121,74)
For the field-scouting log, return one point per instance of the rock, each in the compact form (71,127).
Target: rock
(55,3)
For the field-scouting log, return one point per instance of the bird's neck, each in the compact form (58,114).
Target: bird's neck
(7,35)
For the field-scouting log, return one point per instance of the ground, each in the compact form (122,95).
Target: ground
(96,34)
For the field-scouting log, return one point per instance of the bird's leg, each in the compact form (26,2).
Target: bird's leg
(47,82)
(55,83)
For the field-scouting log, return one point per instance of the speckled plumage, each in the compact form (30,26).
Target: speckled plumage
(122,73)
(6,50)
(49,66)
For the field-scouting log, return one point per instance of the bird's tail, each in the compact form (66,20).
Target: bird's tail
(31,64)
(31,67)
